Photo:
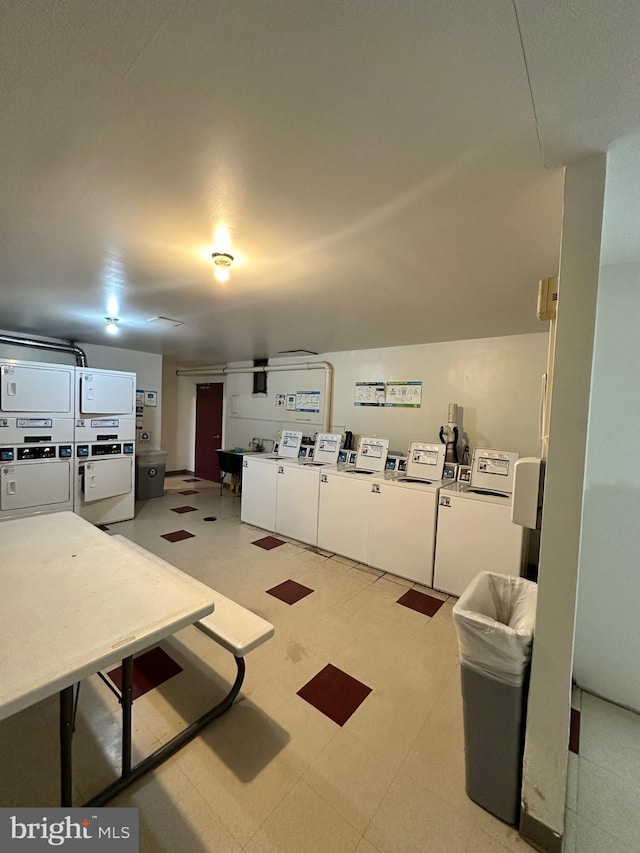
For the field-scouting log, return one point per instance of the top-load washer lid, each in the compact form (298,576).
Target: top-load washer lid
(492,471)
(326,449)
(371,456)
(425,463)
(289,444)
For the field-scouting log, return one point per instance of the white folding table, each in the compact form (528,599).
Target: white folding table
(74,601)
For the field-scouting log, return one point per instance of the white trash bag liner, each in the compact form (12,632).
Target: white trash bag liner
(494,619)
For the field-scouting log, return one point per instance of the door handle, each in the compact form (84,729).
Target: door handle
(11,487)
(215,436)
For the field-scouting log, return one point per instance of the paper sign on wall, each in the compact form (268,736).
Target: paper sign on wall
(308,401)
(369,394)
(404,394)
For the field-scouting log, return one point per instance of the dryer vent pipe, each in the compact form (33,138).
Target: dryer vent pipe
(69,346)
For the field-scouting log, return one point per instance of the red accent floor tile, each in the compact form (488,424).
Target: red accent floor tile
(335,693)
(149,670)
(574,731)
(269,542)
(178,535)
(421,602)
(191,480)
(290,591)
(183,509)
(189,492)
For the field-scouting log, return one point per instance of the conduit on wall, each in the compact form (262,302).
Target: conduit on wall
(223,370)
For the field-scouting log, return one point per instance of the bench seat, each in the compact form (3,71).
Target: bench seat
(235,628)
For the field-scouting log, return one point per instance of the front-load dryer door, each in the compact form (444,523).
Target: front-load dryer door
(107,479)
(104,393)
(35,484)
(37,389)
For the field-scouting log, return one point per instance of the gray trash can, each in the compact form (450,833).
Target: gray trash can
(150,470)
(494,619)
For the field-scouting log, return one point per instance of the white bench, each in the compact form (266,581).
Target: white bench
(235,628)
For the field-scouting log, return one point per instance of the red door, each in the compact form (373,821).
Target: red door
(208,430)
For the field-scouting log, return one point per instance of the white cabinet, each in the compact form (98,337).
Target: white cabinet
(297,502)
(402,528)
(259,484)
(343,514)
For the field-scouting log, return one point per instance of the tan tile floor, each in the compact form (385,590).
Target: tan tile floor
(274,775)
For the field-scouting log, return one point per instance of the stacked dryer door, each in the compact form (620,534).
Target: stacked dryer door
(36,438)
(104,452)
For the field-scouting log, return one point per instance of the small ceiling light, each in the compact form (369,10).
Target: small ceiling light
(222,262)
(112,325)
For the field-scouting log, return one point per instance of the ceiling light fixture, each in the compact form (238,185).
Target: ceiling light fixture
(112,325)
(222,262)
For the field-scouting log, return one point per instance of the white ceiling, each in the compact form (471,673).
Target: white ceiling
(378,165)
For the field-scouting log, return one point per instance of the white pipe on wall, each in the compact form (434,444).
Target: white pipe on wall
(223,370)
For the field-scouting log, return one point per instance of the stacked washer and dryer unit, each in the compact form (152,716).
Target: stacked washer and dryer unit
(67,441)
(36,438)
(105,432)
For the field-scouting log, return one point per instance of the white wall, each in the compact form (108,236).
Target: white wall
(258,416)
(495,381)
(607,620)
(147,367)
(546,750)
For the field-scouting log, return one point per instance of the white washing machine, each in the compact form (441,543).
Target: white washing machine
(403,513)
(298,489)
(259,483)
(105,480)
(105,428)
(37,477)
(36,435)
(475,531)
(260,480)
(345,496)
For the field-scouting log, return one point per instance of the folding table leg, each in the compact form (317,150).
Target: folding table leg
(127,704)
(66,737)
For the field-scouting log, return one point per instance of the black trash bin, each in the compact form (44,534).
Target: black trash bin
(494,619)
(150,470)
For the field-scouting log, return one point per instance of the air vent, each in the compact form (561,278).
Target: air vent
(165,322)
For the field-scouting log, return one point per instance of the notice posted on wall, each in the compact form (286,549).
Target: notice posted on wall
(369,394)
(404,394)
(308,401)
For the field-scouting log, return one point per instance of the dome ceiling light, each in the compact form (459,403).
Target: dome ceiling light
(222,262)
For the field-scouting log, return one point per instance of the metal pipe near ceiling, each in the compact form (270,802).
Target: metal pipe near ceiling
(69,346)
(223,370)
